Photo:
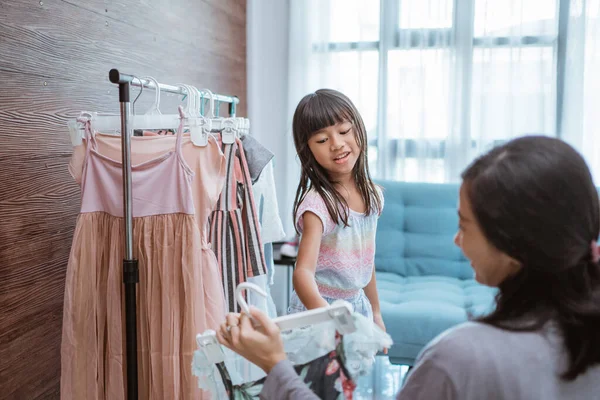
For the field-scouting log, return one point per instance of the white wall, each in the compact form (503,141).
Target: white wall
(268,109)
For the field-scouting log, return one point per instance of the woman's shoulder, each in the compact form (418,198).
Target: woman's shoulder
(453,340)
(465,335)
(479,344)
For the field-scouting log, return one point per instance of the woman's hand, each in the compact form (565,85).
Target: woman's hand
(378,320)
(261,345)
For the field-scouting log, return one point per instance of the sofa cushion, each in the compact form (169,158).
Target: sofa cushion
(416,309)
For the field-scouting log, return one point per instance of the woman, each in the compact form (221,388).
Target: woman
(529,223)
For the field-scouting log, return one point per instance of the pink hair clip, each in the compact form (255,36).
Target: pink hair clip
(595,251)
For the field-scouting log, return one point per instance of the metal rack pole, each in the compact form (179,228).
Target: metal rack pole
(130,265)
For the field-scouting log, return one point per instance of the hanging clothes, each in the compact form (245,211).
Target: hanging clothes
(326,361)
(271,227)
(213,165)
(327,377)
(257,156)
(171,302)
(234,226)
(209,167)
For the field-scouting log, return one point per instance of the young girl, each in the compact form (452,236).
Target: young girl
(336,207)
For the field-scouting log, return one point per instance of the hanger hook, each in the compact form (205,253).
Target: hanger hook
(211,96)
(138,96)
(192,103)
(155,108)
(240,298)
(189,97)
(194,106)
(200,103)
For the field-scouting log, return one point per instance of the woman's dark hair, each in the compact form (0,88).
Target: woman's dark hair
(318,110)
(535,200)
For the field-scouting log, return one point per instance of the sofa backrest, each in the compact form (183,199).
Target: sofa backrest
(415,234)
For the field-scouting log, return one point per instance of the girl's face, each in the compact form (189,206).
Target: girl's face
(491,265)
(335,149)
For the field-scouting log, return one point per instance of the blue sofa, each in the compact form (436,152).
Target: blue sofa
(425,283)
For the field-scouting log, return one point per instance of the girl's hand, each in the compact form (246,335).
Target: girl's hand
(261,345)
(378,320)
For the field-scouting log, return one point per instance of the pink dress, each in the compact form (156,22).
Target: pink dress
(173,294)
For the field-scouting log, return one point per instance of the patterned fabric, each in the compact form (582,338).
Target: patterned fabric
(360,304)
(326,376)
(302,346)
(347,254)
(234,226)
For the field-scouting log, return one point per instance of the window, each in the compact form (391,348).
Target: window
(431,77)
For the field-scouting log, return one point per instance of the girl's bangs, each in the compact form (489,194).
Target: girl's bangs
(322,113)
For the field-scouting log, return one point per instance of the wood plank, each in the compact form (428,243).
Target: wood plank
(81,42)
(55,62)
(23,302)
(47,183)
(49,242)
(36,114)
(30,367)
(219,31)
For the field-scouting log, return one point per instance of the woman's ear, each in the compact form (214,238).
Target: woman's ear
(514,265)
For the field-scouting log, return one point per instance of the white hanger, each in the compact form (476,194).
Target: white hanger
(112,124)
(155,108)
(152,119)
(230,130)
(340,312)
(200,126)
(229,126)
(189,98)
(243,126)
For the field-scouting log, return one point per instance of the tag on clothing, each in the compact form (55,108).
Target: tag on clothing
(199,132)
(228,135)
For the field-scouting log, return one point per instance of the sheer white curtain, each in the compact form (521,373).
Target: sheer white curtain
(316,28)
(424,138)
(436,81)
(513,72)
(581,109)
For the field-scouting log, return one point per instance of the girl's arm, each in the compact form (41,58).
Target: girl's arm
(373,296)
(306,263)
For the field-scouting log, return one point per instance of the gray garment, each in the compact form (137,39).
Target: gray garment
(257,156)
(284,383)
(473,361)
(477,361)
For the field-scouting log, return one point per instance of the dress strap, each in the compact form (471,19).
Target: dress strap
(180,131)
(88,134)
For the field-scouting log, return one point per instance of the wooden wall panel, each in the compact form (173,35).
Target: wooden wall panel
(54,62)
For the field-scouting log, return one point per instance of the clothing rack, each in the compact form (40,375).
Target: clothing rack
(130,264)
